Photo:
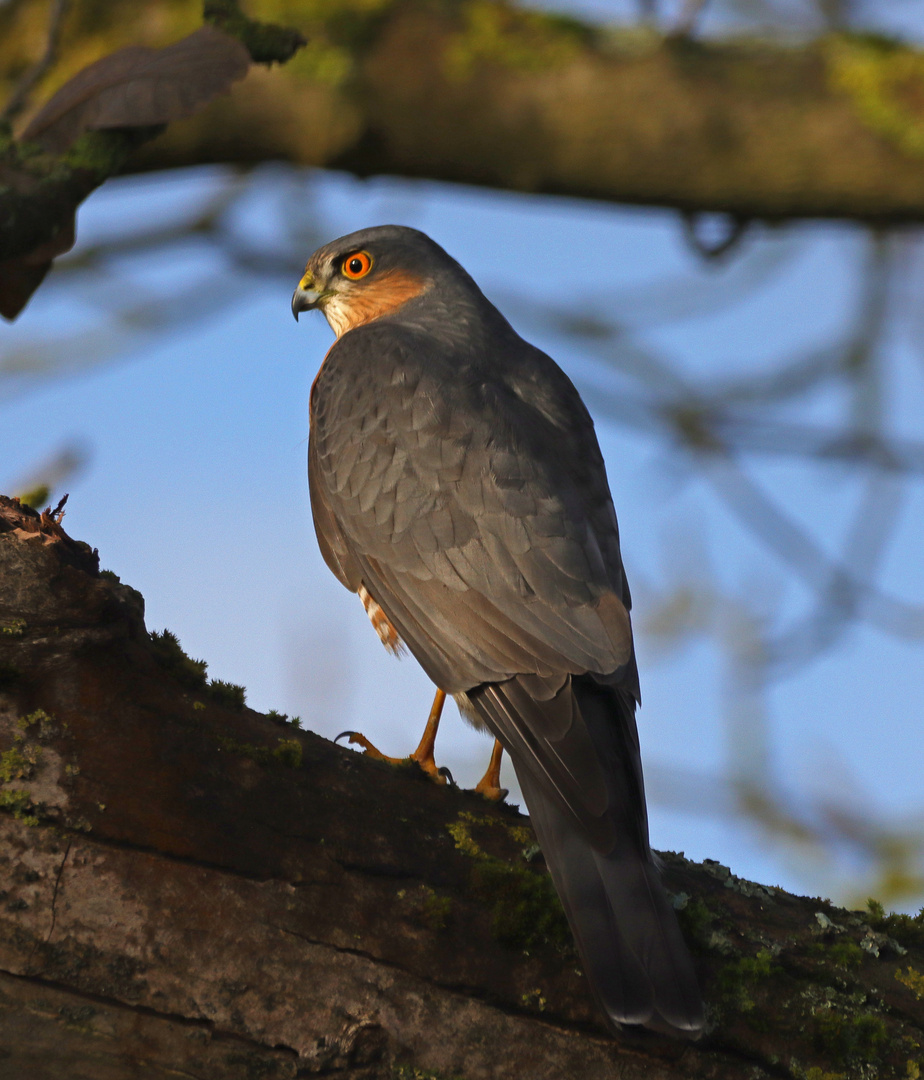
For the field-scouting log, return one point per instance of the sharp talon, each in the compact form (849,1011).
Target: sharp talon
(358,739)
(423,755)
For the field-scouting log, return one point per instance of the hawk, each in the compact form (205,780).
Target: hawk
(458,487)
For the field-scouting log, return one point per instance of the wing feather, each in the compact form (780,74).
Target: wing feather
(496,555)
(468,495)
(494,508)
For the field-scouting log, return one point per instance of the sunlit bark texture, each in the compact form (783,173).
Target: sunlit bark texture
(486,93)
(190,888)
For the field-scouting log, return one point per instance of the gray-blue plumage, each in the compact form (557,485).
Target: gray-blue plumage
(456,476)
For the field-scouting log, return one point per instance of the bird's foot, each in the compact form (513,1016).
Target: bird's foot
(424,760)
(489,784)
(491,791)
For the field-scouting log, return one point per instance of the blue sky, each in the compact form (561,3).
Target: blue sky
(195,490)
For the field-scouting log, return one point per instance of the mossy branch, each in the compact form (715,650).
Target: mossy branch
(485,92)
(216,893)
(40,190)
(266,42)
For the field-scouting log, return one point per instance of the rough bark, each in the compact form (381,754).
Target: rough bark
(485,93)
(193,889)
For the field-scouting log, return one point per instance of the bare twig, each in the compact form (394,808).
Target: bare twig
(735,229)
(648,11)
(688,17)
(795,546)
(19,99)
(57,515)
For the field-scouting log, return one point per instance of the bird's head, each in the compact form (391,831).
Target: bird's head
(372,273)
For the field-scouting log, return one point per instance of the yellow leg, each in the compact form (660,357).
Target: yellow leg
(423,755)
(489,784)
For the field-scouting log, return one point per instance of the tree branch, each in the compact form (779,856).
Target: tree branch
(43,179)
(242,898)
(488,94)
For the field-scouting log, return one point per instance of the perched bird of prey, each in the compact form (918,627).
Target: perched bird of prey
(457,486)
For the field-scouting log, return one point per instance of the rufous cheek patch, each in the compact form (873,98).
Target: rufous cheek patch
(373,299)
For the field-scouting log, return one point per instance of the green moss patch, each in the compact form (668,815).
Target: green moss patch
(287,752)
(228,694)
(884,81)
(266,43)
(739,979)
(514,38)
(284,718)
(908,930)
(847,1039)
(410,1072)
(21,762)
(844,954)
(18,763)
(17,802)
(525,909)
(696,921)
(193,673)
(433,911)
(169,652)
(914,980)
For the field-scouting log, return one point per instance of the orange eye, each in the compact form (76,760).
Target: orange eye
(357,265)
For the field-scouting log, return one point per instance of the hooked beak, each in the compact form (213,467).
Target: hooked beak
(306,296)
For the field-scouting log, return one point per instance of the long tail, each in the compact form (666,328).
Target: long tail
(626,931)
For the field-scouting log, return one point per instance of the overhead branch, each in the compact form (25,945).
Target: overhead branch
(485,93)
(87,130)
